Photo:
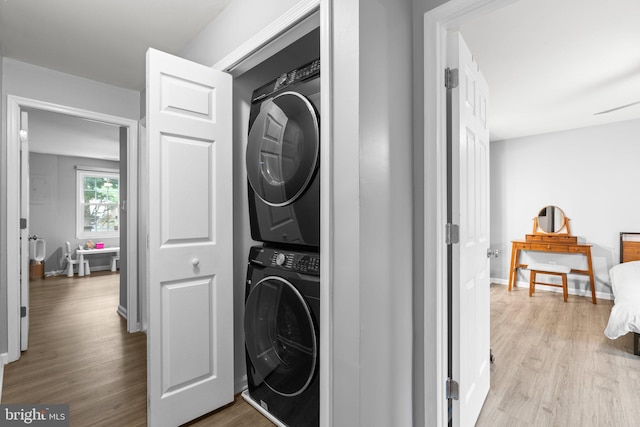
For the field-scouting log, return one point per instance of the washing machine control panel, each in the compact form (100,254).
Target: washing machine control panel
(300,262)
(294,261)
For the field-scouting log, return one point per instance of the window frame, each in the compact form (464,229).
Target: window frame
(81,174)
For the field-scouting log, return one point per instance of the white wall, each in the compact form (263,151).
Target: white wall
(236,24)
(54,219)
(53,133)
(29,81)
(590,173)
(372,155)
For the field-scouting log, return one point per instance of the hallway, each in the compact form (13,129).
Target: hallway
(81,354)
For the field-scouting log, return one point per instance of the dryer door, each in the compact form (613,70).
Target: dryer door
(283,148)
(280,336)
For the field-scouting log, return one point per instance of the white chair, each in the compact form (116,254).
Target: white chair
(113,262)
(71,262)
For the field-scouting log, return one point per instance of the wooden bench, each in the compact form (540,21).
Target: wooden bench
(551,269)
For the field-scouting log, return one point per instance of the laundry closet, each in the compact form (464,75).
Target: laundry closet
(276,231)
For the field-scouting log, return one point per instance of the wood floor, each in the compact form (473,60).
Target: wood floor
(555,367)
(80,354)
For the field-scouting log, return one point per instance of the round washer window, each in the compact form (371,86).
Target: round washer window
(280,337)
(283,148)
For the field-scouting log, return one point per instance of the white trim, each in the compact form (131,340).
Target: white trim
(95,169)
(250,401)
(4,357)
(326,218)
(437,23)
(14,105)
(122,311)
(13,232)
(277,28)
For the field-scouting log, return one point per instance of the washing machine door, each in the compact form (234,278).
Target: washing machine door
(283,148)
(280,337)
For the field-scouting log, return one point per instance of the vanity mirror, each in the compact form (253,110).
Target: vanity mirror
(551,220)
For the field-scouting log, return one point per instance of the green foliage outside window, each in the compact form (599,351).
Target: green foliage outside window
(100,203)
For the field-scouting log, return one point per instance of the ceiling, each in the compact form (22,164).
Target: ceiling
(103,40)
(550,64)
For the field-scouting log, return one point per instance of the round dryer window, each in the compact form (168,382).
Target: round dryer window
(280,336)
(283,148)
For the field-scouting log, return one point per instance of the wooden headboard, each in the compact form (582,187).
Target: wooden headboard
(629,246)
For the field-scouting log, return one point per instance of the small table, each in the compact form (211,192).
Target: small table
(82,252)
(556,245)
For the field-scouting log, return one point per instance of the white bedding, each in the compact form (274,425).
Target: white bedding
(625,314)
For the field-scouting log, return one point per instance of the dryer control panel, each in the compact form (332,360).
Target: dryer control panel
(297,261)
(285,80)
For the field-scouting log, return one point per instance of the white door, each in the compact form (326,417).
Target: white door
(190,335)
(24,230)
(470,210)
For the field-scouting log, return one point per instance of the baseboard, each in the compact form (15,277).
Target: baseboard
(64,272)
(122,311)
(250,401)
(240,384)
(572,291)
(4,358)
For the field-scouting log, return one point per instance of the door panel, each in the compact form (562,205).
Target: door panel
(190,331)
(188,218)
(470,209)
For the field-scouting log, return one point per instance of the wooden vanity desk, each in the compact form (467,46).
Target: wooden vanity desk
(556,243)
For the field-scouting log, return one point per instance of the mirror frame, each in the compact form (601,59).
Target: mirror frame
(564,229)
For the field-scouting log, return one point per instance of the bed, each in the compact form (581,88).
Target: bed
(625,284)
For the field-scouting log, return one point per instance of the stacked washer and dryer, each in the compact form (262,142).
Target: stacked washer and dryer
(282,305)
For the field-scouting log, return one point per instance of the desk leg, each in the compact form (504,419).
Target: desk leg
(592,281)
(512,268)
(80,265)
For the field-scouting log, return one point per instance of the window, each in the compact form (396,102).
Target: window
(98,203)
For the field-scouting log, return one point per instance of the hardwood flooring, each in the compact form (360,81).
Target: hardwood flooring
(555,367)
(81,354)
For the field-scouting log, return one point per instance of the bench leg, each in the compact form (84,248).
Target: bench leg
(565,291)
(532,282)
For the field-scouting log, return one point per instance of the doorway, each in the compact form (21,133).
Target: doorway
(15,105)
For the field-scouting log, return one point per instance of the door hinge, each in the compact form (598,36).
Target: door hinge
(23,223)
(451,78)
(453,233)
(453,389)
(23,311)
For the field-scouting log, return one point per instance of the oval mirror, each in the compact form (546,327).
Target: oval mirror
(551,219)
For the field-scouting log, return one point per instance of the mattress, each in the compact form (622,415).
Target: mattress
(625,314)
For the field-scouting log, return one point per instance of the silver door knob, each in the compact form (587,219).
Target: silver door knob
(195,262)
